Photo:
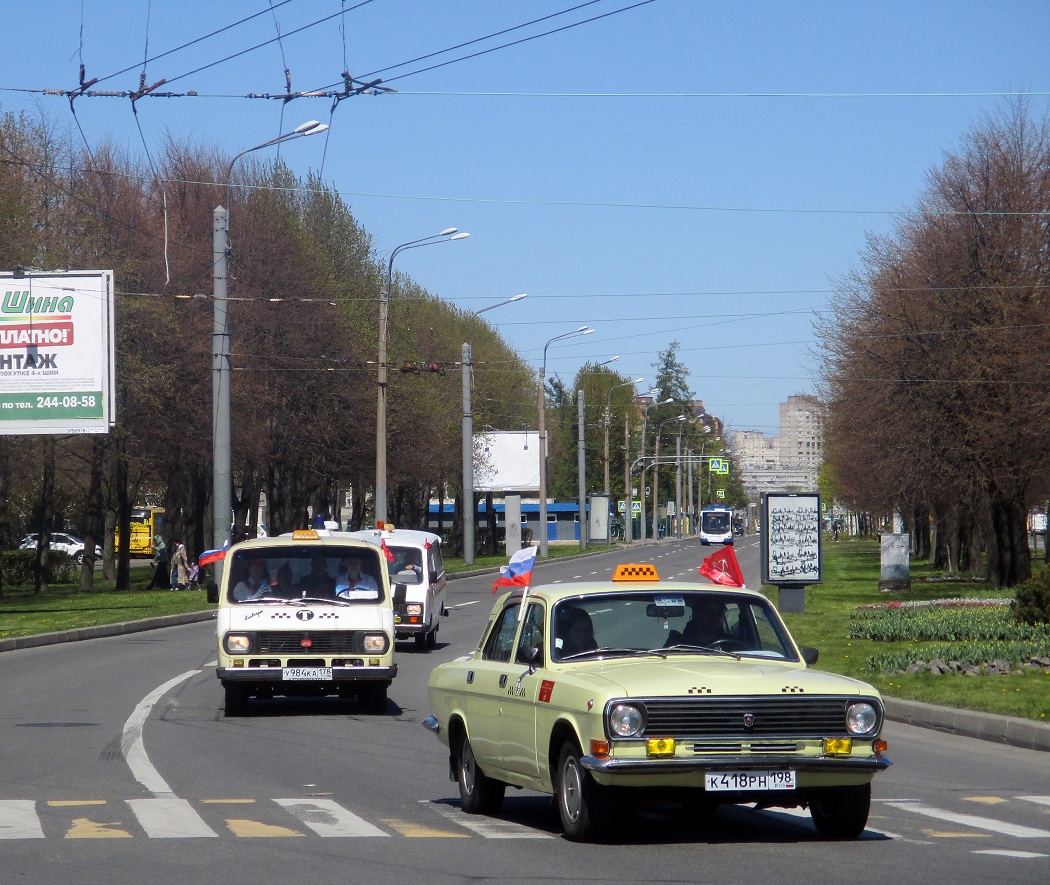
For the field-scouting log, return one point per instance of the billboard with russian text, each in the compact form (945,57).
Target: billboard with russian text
(56,352)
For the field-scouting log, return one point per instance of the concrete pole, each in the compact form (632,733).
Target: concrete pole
(678,485)
(222,471)
(543,464)
(581,466)
(468,460)
(628,528)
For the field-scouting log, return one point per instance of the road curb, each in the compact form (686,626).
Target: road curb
(1010,730)
(39,639)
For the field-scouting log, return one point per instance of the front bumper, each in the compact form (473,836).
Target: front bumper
(822,764)
(274,675)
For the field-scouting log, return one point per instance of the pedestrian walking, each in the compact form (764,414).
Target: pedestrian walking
(180,566)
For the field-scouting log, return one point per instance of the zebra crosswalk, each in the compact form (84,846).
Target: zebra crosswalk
(170,817)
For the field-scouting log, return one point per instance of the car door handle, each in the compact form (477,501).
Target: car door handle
(503,681)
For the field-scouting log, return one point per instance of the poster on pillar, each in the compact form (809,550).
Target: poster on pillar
(789,541)
(57,372)
(507,461)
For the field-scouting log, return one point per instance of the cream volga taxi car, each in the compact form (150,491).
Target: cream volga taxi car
(605,691)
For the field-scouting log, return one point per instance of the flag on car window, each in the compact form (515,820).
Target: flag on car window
(517,572)
(722,568)
(210,556)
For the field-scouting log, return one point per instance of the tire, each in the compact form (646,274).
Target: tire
(78,558)
(582,804)
(479,793)
(236,699)
(432,638)
(421,641)
(840,812)
(372,696)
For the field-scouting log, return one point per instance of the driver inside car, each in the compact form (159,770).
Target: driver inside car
(707,625)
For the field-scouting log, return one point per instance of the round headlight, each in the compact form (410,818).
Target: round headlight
(626,720)
(861,718)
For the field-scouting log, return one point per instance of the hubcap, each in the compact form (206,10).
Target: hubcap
(571,790)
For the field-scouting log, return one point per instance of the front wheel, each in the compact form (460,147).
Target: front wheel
(582,804)
(479,793)
(372,696)
(236,699)
(840,812)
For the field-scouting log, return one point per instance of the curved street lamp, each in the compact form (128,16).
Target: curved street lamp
(656,471)
(222,470)
(583,330)
(469,511)
(446,236)
(608,409)
(641,458)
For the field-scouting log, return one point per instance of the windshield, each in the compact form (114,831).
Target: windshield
(714,522)
(305,573)
(669,622)
(406,567)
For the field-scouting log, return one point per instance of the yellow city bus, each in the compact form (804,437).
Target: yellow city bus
(146,524)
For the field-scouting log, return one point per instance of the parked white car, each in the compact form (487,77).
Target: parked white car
(66,543)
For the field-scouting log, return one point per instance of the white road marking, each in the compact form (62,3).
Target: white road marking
(168,817)
(131,740)
(487,827)
(1023,855)
(1038,800)
(18,820)
(463,604)
(328,818)
(970,820)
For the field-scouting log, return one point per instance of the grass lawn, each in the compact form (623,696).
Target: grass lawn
(851,573)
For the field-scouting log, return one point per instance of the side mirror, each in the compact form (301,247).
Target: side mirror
(809,654)
(213,592)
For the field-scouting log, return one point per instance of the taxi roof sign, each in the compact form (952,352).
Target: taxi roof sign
(636,571)
(305,535)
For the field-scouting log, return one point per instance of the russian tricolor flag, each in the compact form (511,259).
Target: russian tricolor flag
(517,572)
(210,556)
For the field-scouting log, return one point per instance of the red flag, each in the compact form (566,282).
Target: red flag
(386,550)
(722,568)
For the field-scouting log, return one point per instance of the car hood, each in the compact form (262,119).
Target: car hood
(692,675)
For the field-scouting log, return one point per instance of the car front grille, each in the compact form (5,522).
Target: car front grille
(320,642)
(791,717)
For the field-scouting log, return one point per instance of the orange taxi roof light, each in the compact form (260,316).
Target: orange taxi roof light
(305,535)
(636,571)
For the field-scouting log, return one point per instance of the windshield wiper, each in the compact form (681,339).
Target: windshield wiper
(704,649)
(611,650)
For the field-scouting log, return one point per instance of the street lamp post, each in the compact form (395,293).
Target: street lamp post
(678,480)
(608,409)
(583,330)
(469,511)
(446,236)
(656,472)
(641,460)
(222,470)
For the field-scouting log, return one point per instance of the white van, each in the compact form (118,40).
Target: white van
(307,613)
(417,575)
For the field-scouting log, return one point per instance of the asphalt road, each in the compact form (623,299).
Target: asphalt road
(117,766)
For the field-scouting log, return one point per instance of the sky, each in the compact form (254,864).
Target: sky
(666,171)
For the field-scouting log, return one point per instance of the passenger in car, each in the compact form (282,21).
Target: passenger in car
(318,583)
(256,583)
